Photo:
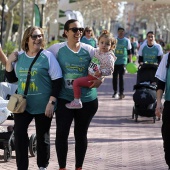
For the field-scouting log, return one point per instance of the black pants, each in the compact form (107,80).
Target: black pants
(166,131)
(42,124)
(82,118)
(119,70)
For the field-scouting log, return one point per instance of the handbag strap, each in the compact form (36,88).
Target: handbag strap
(29,73)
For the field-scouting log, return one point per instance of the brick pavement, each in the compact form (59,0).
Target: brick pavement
(116,141)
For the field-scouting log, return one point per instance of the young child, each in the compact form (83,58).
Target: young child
(101,65)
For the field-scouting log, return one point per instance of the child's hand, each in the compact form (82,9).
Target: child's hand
(98,73)
(95,83)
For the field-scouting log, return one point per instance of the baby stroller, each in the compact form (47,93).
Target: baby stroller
(145,92)
(7,142)
(6,137)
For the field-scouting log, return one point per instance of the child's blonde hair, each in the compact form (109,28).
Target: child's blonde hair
(107,34)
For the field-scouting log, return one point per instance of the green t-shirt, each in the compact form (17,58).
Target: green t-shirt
(90,41)
(74,65)
(123,44)
(167,89)
(134,45)
(150,54)
(45,69)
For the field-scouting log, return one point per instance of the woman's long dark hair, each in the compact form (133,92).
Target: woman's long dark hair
(67,26)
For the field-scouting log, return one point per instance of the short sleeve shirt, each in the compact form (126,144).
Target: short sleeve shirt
(150,54)
(74,65)
(123,44)
(45,69)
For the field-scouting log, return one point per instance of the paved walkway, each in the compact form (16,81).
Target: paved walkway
(116,141)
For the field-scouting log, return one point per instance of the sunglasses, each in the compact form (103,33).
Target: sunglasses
(75,29)
(34,37)
(88,30)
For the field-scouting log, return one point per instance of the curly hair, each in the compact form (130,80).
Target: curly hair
(107,34)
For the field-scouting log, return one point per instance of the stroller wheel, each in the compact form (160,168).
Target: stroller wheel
(33,145)
(7,154)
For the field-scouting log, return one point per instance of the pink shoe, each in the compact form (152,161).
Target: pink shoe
(74,105)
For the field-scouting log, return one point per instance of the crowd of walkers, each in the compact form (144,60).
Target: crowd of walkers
(66,76)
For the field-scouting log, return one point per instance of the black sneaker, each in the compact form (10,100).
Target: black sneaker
(121,96)
(115,95)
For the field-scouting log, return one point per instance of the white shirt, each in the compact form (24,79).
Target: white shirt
(161,71)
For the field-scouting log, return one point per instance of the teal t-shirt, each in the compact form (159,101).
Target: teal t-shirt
(74,65)
(134,45)
(121,50)
(150,54)
(43,71)
(90,41)
(167,89)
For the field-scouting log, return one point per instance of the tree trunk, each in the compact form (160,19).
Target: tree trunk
(9,25)
(21,26)
(10,16)
(33,18)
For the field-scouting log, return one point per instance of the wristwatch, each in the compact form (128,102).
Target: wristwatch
(51,102)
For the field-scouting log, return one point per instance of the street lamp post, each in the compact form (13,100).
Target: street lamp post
(42,2)
(2,20)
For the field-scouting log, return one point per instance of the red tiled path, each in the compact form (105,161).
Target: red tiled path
(116,141)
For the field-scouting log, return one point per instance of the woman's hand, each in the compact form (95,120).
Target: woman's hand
(49,111)
(96,83)
(13,57)
(159,109)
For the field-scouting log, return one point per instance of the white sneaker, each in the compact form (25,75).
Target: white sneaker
(42,168)
(115,95)
(74,105)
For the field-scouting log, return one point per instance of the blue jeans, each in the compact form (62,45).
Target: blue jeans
(42,124)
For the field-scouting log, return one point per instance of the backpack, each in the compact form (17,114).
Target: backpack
(144,96)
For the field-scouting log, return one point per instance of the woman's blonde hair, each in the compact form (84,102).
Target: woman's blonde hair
(107,34)
(28,32)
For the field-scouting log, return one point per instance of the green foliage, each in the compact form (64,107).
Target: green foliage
(9,47)
(167,47)
(51,43)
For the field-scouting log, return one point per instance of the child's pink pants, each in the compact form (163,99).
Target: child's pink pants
(82,82)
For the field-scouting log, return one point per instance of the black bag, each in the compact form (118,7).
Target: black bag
(144,96)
